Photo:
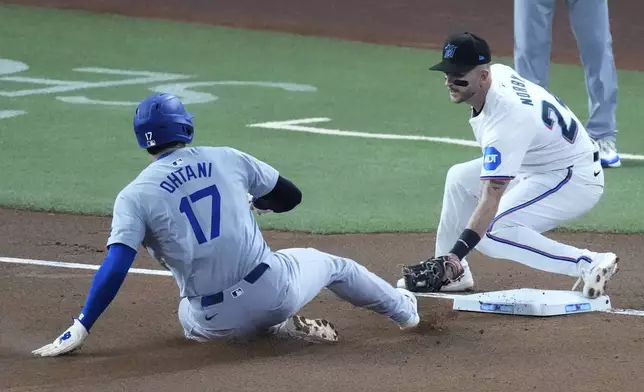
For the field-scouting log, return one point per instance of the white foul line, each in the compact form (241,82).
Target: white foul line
(294,125)
(11,113)
(61,264)
(144,271)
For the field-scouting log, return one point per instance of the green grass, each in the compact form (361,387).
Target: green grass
(75,158)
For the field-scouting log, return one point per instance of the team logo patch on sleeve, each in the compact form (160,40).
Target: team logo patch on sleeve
(491,158)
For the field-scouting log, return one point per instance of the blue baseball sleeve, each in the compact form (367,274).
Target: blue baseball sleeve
(107,282)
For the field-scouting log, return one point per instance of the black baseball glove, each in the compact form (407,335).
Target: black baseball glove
(431,275)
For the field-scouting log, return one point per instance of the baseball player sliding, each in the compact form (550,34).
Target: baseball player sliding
(189,208)
(539,169)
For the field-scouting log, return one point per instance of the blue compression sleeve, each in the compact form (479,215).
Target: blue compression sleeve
(107,282)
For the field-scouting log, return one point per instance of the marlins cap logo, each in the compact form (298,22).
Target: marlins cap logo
(449,50)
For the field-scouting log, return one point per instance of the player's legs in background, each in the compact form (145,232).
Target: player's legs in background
(311,271)
(460,198)
(533,39)
(591,27)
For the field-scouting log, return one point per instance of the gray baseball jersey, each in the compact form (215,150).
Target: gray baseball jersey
(190,210)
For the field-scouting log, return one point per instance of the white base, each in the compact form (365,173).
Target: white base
(527,302)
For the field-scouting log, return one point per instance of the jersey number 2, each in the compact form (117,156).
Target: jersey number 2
(186,208)
(568,132)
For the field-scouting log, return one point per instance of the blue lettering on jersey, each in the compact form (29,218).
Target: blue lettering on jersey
(167,187)
(177,178)
(491,158)
(176,182)
(183,178)
(190,173)
(201,168)
(521,91)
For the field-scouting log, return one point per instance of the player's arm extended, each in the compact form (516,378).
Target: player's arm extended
(105,285)
(485,211)
(107,282)
(491,193)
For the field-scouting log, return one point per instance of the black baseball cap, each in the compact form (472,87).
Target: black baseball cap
(462,52)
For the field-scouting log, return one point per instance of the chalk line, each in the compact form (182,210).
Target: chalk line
(296,125)
(62,264)
(145,271)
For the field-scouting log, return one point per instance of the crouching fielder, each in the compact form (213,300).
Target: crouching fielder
(190,209)
(539,169)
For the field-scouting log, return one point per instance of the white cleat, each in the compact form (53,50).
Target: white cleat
(597,276)
(309,330)
(464,283)
(608,153)
(400,284)
(415,318)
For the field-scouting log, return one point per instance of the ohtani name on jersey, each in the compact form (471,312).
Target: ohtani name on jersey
(521,91)
(184,174)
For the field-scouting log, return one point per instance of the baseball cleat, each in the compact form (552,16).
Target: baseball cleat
(413,321)
(608,153)
(596,278)
(464,283)
(309,330)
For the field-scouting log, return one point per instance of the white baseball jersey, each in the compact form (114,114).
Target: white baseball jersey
(524,128)
(190,210)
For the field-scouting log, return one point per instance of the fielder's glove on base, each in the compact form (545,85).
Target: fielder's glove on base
(70,340)
(431,275)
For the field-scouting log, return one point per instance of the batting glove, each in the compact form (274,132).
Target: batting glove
(70,340)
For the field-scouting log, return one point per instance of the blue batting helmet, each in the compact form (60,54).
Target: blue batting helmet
(161,119)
